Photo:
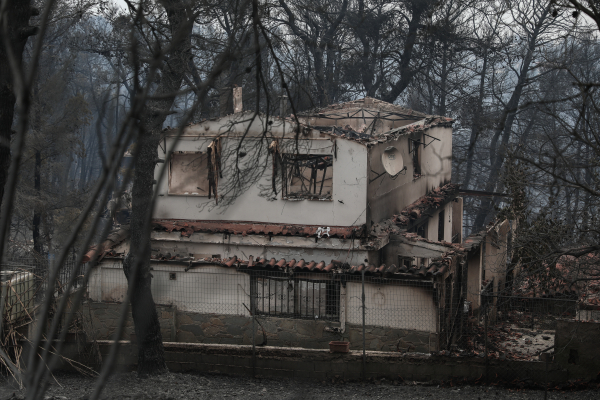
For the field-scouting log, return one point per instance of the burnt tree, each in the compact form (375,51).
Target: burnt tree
(137,263)
(14,30)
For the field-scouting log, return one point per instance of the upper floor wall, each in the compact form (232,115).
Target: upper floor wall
(261,172)
(426,156)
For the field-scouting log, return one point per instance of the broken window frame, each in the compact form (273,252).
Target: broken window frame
(441,225)
(295,165)
(414,150)
(297,305)
(203,170)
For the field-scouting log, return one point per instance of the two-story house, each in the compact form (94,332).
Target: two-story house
(285,217)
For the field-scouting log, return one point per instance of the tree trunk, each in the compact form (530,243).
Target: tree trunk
(476,124)
(37,218)
(406,72)
(137,263)
(504,129)
(18,13)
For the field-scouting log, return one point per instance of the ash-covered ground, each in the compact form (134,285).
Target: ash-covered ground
(193,386)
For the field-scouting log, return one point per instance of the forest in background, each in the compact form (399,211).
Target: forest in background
(97,83)
(518,77)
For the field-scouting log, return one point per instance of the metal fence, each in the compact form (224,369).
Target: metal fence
(299,309)
(216,303)
(397,314)
(25,282)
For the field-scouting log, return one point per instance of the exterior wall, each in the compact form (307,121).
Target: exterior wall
(457,219)
(433,224)
(100,322)
(209,289)
(203,245)
(495,255)
(403,247)
(318,365)
(474,278)
(388,196)
(255,201)
(392,306)
(576,349)
(210,309)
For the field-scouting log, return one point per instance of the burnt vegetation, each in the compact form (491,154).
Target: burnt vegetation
(87,89)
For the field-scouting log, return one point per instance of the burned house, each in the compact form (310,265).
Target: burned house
(338,216)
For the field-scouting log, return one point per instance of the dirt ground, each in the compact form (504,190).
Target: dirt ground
(127,386)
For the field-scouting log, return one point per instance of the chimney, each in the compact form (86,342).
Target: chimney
(237,99)
(283,106)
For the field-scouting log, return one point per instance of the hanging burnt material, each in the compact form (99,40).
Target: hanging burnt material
(307,176)
(274,150)
(214,167)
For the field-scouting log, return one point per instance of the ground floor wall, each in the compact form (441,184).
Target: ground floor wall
(99,320)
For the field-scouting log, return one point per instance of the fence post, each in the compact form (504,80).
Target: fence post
(364,360)
(253,346)
(485,333)
(547,356)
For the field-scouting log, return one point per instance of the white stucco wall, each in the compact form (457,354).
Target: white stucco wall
(208,290)
(388,196)
(433,224)
(258,202)
(394,306)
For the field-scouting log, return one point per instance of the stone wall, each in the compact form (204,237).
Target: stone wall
(100,321)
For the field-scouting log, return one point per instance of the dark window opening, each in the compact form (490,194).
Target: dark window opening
(441,226)
(414,150)
(407,262)
(421,230)
(307,176)
(296,298)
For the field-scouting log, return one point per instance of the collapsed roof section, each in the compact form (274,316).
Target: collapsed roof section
(367,121)
(109,247)
(418,211)
(371,106)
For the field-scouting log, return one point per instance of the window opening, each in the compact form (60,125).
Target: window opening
(297,298)
(414,151)
(188,174)
(307,176)
(441,226)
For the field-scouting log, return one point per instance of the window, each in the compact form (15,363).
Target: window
(297,298)
(188,174)
(307,176)
(414,151)
(441,226)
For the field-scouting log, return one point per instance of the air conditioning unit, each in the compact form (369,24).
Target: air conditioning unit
(18,291)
